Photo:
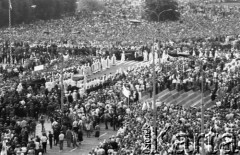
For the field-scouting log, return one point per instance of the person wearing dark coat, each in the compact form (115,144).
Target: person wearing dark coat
(50,138)
(80,135)
(70,98)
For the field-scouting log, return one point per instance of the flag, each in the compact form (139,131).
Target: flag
(125,91)
(10,5)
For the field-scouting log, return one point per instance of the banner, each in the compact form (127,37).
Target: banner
(126,92)
(147,138)
(38,68)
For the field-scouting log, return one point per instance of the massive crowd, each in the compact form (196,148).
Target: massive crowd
(28,96)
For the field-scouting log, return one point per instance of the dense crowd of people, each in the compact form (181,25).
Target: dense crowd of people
(220,78)
(26,96)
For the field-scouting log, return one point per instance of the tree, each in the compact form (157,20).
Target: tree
(22,10)
(87,7)
(3,13)
(161,10)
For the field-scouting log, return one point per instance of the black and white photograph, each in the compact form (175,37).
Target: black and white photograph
(119,77)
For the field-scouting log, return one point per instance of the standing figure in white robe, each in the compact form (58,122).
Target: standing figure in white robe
(200,54)
(19,88)
(145,55)
(74,95)
(89,69)
(123,56)
(113,60)
(211,54)
(206,54)
(194,53)
(216,54)
(93,67)
(156,56)
(85,70)
(108,62)
(103,64)
(164,56)
(150,57)
(98,65)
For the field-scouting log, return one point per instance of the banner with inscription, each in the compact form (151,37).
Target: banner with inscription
(147,138)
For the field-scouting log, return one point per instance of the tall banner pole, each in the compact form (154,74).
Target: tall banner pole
(154,98)
(202,111)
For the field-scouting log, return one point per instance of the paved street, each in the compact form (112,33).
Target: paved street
(87,145)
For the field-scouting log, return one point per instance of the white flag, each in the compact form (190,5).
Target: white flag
(125,91)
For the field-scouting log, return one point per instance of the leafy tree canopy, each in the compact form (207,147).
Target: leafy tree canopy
(161,10)
(25,11)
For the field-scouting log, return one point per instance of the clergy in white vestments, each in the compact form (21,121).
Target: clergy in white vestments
(19,88)
(151,57)
(200,54)
(81,92)
(164,57)
(216,54)
(123,56)
(93,67)
(145,55)
(108,62)
(211,54)
(98,65)
(74,95)
(103,63)
(156,56)
(113,60)
(89,69)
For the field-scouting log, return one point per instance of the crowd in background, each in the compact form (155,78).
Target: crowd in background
(28,96)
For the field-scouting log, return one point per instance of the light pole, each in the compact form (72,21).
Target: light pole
(10,32)
(158,17)
(154,82)
(62,65)
(154,97)
(202,104)
(33,11)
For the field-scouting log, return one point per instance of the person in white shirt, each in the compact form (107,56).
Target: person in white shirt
(44,140)
(37,144)
(61,140)
(75,125)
